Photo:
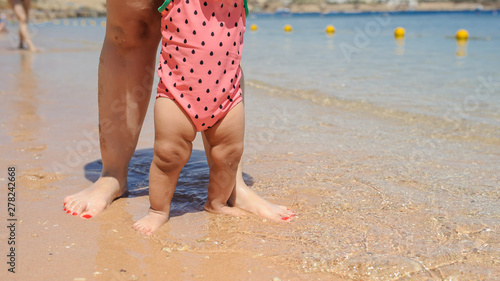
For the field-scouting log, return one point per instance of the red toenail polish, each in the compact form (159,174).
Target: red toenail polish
(65,209)
(285,218)
(86,216)
(68,211)
(74,214)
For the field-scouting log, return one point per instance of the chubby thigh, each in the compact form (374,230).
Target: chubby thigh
(172,124)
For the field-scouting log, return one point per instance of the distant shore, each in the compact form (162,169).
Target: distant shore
(97,8)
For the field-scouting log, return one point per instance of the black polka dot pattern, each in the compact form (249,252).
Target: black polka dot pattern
(201,52)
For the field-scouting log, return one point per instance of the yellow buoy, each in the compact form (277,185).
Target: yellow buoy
(330,29)
(288,28)
(399,32)
(462,34)
(254,27)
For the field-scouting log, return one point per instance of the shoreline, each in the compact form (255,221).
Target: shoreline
(97,8)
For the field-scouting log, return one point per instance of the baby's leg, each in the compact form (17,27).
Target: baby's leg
(244,198)
(225,141)
(174,134)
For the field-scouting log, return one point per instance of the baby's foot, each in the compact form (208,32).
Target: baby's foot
(226,210)
(151,222)
(95,198)
(246,199)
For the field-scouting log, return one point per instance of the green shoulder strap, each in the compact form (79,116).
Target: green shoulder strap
(246,9)
(165,4)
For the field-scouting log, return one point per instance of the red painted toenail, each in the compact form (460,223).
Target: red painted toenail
(87,216)
(74,214)
(68,211)
(65,209)
(285,218)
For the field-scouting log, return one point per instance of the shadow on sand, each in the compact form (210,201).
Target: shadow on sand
(191,191)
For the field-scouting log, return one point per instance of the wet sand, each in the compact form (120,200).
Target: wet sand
(379,195)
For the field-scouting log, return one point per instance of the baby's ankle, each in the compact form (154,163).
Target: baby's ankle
(164,213)
(213,206)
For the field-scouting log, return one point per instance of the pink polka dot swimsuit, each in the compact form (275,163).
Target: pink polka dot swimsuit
(200,57)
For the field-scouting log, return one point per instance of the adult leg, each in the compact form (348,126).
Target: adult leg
(21,10)
(126,72)
(243,197)
(174,134)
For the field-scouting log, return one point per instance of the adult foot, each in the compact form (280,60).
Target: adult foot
(95,198)
(151,222)
(245,198)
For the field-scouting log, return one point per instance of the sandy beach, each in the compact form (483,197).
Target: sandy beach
(363,211)
(380,194)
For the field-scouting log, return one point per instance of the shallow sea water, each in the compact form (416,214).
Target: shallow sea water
(389,156)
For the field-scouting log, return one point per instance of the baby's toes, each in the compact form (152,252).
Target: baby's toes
(141,228)
(136,226)
(145,230)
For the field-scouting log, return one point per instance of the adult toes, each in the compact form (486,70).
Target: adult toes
(67,200)
(88,213)
(68,205)
(75,208)
(288,216)
(289,212)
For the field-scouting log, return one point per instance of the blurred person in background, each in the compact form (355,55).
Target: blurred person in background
(21,10)
(3,23)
